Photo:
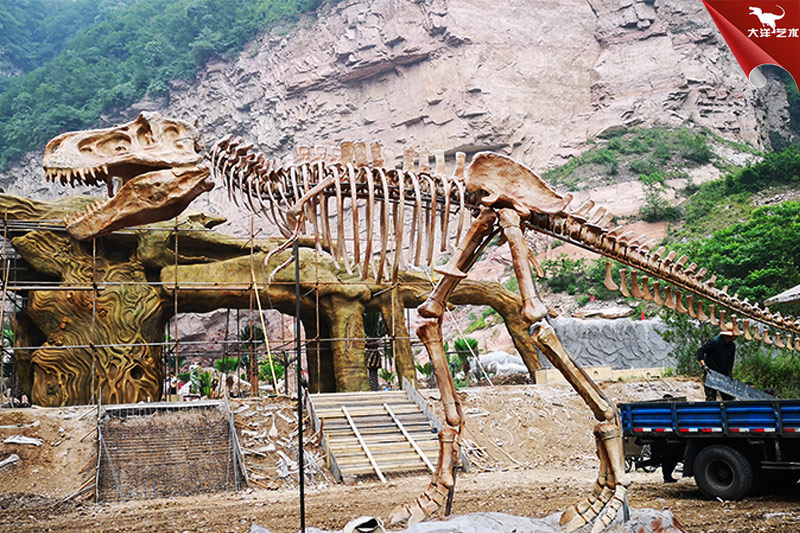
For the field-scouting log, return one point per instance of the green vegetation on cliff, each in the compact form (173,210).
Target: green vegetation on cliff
(33,32)
(718,204)
(135,48)
(631,153)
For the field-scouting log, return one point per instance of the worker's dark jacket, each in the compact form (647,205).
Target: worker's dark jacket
(718,355)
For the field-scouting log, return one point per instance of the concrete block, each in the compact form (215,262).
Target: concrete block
(626,374)
(551,375)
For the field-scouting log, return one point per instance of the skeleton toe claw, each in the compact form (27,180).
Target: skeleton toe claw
(611,510)
(399,514)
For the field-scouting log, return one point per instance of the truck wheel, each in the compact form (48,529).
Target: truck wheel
(722,472)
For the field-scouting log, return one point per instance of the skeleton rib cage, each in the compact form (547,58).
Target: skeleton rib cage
(380,219)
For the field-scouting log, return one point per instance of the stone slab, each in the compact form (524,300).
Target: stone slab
(551,375)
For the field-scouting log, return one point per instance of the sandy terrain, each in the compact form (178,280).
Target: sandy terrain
(531,448)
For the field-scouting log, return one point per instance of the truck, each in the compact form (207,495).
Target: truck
(732,448)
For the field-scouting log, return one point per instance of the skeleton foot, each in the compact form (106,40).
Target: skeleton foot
(589,508)
(441,482)
(608,494)
(611,509)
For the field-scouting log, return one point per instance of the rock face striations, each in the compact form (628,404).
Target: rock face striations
(535,80)
(531,80)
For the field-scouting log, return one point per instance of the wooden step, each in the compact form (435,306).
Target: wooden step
(367,410)
(410,460)
(378,446)
(358,397)
(386,469)
(412,429)
(416,424)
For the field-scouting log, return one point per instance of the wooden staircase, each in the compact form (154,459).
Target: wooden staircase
(376,433)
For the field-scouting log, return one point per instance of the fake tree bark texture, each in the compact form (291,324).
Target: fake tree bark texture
(109,331)
(130,312)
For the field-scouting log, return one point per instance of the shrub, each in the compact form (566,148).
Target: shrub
(387,376)
(576,276)
(265,370)
(481,322)
(227,364)
(426,369)
(762,371)
(687,335)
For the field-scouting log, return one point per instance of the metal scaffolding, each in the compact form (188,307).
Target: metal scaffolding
(18,280)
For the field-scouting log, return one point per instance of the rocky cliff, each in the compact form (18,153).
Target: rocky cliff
(533,79)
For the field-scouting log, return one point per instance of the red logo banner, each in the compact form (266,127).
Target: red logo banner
(760,33)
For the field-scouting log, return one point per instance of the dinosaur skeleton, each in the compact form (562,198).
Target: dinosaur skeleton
(505,198)
(158,161)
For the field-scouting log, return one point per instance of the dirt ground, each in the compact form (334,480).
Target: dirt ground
(531,449)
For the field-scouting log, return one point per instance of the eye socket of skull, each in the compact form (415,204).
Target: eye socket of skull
(171,136)
(115,143)
(144,134)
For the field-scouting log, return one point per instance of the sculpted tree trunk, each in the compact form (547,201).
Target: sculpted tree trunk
(108,332)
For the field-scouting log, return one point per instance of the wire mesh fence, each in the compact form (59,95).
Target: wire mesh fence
(159,450)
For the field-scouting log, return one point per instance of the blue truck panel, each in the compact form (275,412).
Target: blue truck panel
(734,418)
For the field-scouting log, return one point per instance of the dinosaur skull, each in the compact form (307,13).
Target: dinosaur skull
(158,161)
(501,182)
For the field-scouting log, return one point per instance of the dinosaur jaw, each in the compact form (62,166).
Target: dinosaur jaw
(150,197)
(150,142)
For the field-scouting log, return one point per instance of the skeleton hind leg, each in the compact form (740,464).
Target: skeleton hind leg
(430,333)
(609,494)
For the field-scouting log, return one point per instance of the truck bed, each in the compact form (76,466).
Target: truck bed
(712,419)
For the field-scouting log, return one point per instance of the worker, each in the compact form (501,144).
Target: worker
(718,354)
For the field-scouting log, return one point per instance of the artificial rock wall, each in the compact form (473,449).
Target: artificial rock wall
(620,343)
